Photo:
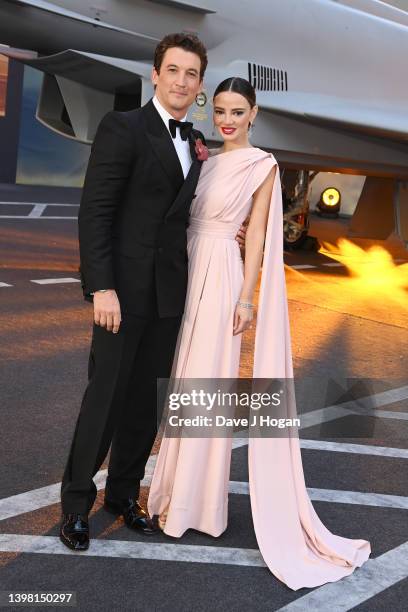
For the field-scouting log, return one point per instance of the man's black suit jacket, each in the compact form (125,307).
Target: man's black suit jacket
(134,213)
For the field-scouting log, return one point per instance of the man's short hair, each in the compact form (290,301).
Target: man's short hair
(186,41)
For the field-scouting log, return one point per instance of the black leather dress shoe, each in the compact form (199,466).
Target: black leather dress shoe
(134,515)
(74,531)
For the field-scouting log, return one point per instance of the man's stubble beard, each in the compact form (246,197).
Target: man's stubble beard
(182,106)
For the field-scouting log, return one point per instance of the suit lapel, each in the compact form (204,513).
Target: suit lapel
(165,151)
(163,146)
(190,183)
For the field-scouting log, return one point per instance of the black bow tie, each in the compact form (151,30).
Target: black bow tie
(185,128)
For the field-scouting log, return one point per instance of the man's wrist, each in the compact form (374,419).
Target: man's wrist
(100,291)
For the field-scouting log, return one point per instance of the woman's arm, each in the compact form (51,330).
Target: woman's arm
(254,243)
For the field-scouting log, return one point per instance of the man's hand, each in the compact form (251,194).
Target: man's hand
(107,310)
(240,237)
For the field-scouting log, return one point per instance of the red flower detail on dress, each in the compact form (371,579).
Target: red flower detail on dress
(201,150)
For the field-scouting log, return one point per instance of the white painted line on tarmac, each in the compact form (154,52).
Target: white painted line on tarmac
(316,417)
(29,501)
(336,496)
(302,266)
(366,406)
(34,218)
(134,550)
(388,414)
(376,575)
(37,211)
(334,264)
(365,582)
(341,447)
(379,500)
(46,496)
(363,405)
(5,285)
(37,204)
(55,281)
(360,449)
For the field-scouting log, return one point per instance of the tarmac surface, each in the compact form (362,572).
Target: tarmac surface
(349,326)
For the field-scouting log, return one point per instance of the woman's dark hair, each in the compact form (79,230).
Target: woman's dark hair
(188,42)
(240,86)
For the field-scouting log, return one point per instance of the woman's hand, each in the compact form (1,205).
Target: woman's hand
(242,319)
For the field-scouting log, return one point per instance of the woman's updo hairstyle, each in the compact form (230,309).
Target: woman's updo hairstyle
(240,86)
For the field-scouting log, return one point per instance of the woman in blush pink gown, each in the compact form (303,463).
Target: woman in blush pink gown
(189,489)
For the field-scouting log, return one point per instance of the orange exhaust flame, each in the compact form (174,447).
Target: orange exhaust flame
(373,271)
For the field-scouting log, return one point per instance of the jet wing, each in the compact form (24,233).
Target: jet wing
(41,25)
(49,7)
(95,71)
(354,115)
(195,7)
(382,10)
(78,88)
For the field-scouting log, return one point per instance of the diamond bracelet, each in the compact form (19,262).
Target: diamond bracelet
(245,304)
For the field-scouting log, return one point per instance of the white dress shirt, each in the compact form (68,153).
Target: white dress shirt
(182,146)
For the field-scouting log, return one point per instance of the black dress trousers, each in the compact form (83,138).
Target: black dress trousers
(119,408)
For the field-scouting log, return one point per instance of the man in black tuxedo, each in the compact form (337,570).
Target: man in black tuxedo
(140,181)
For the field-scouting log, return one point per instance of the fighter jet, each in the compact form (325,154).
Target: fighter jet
(330,77)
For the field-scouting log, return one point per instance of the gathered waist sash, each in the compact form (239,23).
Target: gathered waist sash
(213,229)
